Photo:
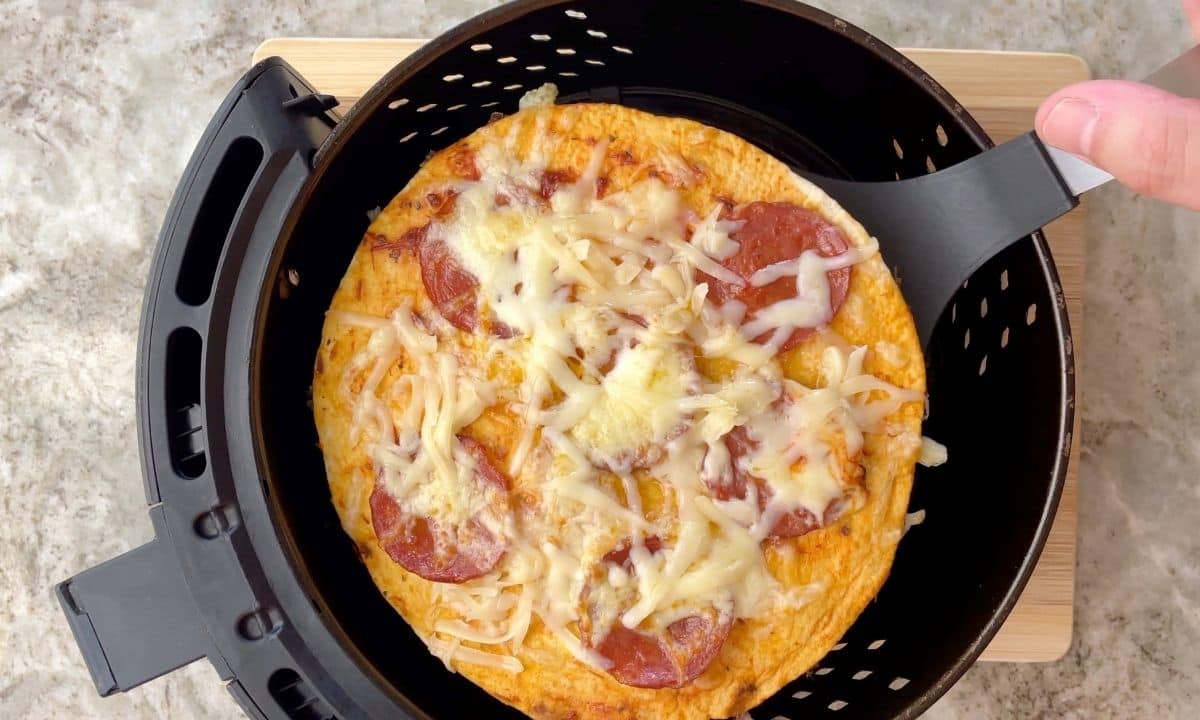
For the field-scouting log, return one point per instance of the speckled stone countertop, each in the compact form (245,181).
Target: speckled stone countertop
(102,105)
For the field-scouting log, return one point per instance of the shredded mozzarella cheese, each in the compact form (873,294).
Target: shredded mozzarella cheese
(933,453)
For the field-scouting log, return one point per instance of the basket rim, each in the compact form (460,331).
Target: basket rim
(375,99)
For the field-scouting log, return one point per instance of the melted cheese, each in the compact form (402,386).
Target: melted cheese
(933,453)
(638,405)
(911,520)
(539,97)
(810,307)
(602,295)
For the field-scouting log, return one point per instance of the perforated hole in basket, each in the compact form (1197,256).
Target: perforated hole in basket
(919,151)
(996,323)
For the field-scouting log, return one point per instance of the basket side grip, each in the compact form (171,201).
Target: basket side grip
(133,617)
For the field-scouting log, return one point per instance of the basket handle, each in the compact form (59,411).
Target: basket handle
(941,227)
(133,617)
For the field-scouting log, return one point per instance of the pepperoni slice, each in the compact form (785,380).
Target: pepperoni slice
(774,232)
(449,285)
(735,486)
(620,554)
(422,546)
(670,658)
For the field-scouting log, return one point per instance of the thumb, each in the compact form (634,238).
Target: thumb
(1147,138)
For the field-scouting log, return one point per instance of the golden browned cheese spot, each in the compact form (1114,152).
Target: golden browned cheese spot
(657,502)
(494,429)
(716,368)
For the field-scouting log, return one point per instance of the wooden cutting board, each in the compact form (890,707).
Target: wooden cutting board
(1002,90)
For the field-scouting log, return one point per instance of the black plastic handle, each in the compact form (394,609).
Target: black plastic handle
(937,229)
(135,617)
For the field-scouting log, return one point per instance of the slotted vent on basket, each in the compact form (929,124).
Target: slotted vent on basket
(855,672)
(562,46)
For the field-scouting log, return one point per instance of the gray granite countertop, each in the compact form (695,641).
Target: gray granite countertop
(102,105)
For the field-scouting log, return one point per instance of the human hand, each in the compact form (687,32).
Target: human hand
(1147,138)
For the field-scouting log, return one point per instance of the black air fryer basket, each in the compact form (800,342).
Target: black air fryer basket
(250,567)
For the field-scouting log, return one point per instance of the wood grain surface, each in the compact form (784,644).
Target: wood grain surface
(1002,90)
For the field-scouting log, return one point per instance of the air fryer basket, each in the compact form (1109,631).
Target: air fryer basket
(251,568)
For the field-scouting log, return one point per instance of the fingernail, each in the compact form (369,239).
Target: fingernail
(1070,125)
